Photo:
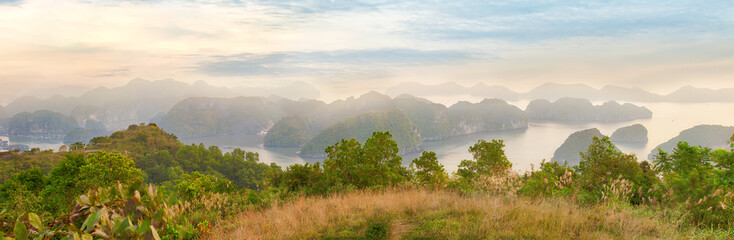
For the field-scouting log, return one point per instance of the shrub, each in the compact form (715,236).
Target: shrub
(552,179)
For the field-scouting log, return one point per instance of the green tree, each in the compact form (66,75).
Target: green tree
(76,146)
(602,164)
(377,163)
(20,193)
(489,160)
(196,185)
(381,161)
(102,169)
(341,165)
(428,172)
(307,178)
(701,180)
(61,187)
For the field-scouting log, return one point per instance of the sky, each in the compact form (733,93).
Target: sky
(348,47)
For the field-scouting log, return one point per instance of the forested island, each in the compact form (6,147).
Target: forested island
(360,127)
(709,136)
(189,111)
(630,134)
(576,109)
(577,142)
(39,125)
(290,123)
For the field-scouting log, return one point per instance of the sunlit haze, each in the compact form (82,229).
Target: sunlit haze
(348,47)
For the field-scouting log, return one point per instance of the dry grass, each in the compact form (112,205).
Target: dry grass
(424,214)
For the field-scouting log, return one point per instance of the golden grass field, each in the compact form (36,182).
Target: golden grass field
(426,214)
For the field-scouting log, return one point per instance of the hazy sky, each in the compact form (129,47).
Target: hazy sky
(345,47)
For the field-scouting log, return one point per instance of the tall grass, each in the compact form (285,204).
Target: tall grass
(416,213)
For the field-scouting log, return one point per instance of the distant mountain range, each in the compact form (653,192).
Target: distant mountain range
(138,101)
(554,91)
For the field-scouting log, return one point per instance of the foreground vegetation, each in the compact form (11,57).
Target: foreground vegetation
(143,184)
(426,214)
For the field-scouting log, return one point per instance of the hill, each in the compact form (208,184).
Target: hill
(140,100)
(137,141)
(711,136)
(630,134)
(291,131)
(39,125)
(575,143)
(435,121)
(430,214)
(199,117)
(361,127)
(576,109)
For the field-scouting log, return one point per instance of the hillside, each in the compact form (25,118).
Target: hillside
(434,120)
(487,115)
(137,141)
(200,117)
(426,214)
(711,136)
(576,109)
(140,100)
(575,143)
(361,127)
(39,125)
(291,131)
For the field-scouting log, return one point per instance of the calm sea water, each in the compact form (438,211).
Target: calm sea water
(524,147)
(529,146)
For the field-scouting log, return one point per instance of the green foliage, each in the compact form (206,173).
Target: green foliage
(137,142)
(102,169)
(602,164)
(62,187)
(552,179)
(11,163)
(77,173)
(377,163)
(489,160)
(702,182)
(241,167)
(20,193)
(77,146)
(428,172)
(307,178)
(197,185)
(575,143)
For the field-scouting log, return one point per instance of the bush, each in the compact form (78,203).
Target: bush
(701,182)
(552,179)
(602,166)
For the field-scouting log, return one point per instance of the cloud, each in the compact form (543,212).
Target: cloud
(326,62)
(10,2)
(526,21)
(321,6)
